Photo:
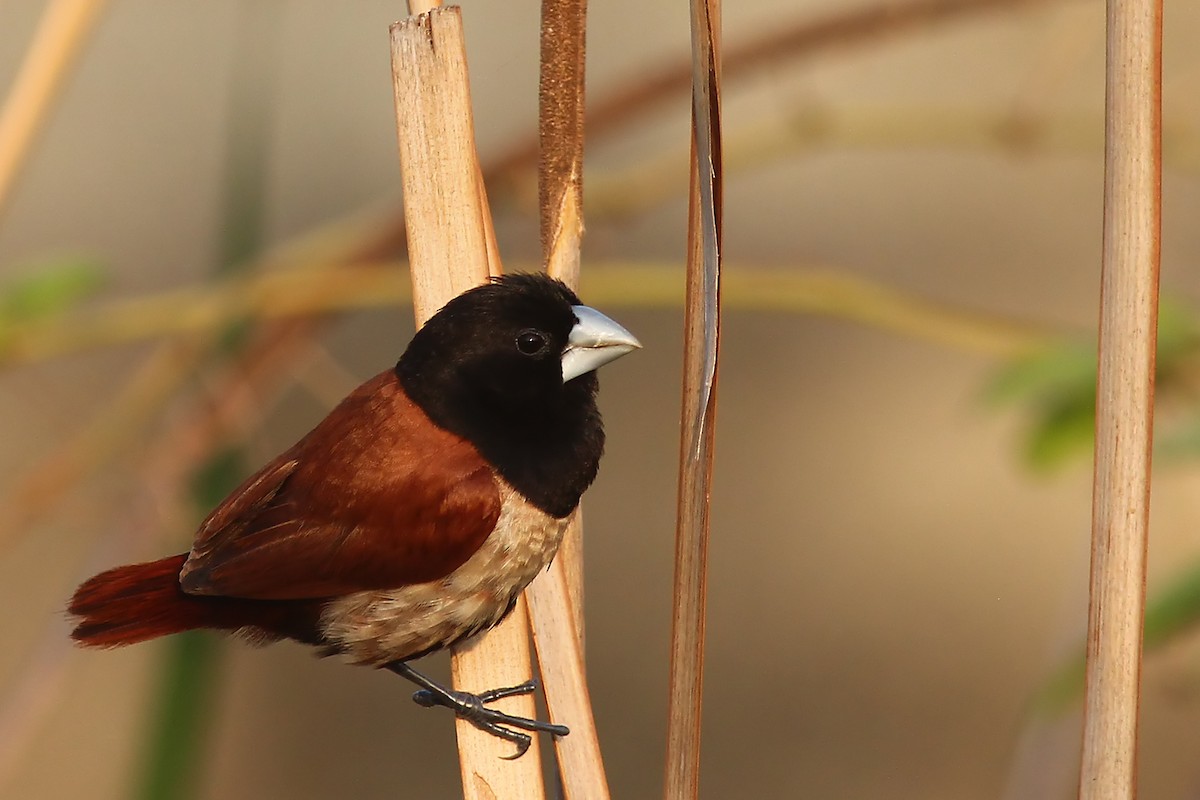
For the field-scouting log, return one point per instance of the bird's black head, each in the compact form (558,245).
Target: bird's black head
(490,367)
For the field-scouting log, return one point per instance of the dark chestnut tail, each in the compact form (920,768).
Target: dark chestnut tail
(134,603)
(137,602)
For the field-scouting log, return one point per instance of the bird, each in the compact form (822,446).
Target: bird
(413,515)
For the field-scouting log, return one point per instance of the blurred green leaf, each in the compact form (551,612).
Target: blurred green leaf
(1173,609)
(1057,388)
(182,715)
(1178,332)
(1057,385)
(1060,367)
(50,289)
(1058,434)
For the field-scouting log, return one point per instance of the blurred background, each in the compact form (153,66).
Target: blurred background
(901,516)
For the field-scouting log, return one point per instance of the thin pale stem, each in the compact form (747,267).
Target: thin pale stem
(1124,398)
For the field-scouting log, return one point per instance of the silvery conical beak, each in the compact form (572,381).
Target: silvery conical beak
(594,341)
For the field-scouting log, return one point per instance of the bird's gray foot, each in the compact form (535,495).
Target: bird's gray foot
(473,708)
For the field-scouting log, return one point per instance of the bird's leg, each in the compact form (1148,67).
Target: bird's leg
(472,708)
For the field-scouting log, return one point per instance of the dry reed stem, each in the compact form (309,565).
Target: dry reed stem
(560,657)
(447,236)
(560,135)
(560,195)
(701,349)
(556,597)
(1124,398)
(57,43)
(495,265)
(560,205)
(448,250)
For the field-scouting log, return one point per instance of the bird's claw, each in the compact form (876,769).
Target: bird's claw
(473,708)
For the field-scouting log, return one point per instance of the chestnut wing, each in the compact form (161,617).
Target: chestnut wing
(375,497)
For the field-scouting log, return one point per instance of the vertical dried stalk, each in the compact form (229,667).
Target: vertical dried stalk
(1124,398)
(556,598)
(560,135)
(701,343)
(560,193)
(448,253)
(60,36)
(447,240)
(561,659)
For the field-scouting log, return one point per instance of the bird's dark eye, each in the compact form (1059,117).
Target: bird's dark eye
(531,342)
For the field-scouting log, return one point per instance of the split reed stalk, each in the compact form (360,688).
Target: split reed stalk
(448,253)
(701,346)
